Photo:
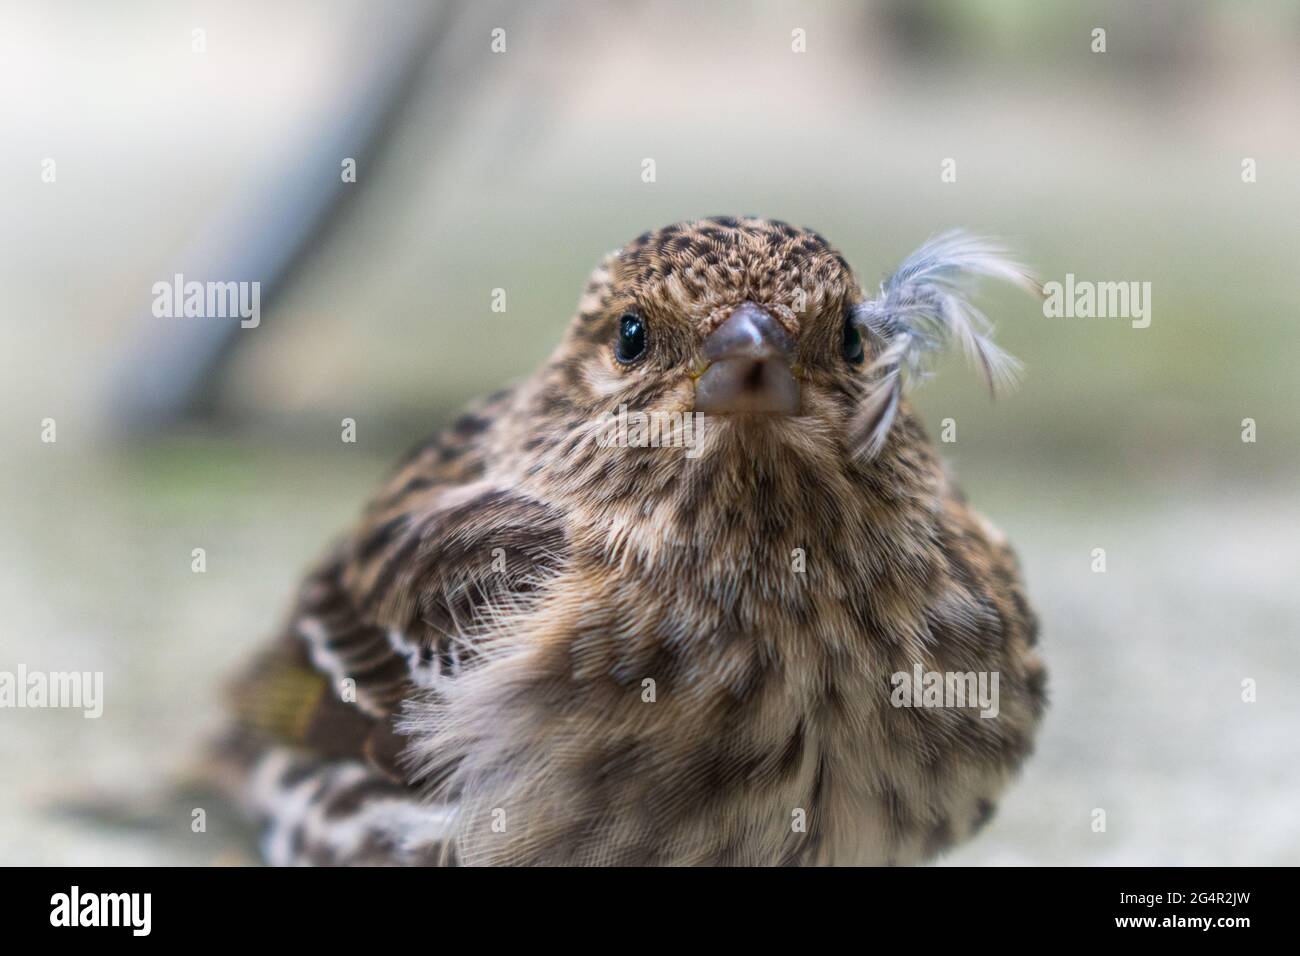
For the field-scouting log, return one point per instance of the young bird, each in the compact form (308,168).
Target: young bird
(543,646)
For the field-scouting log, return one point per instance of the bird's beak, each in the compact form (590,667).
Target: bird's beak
(748,369)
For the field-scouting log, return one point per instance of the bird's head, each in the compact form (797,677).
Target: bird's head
(746,318)
(763,328)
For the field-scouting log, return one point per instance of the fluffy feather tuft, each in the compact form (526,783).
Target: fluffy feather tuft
(923,307)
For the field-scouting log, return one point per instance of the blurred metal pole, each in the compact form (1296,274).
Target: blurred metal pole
(170,378)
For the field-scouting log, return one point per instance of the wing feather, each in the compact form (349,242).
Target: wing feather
(403,601)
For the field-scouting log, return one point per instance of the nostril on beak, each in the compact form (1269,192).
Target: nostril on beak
(749,367)
(749,331)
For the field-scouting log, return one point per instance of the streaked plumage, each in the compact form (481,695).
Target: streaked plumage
(509,593)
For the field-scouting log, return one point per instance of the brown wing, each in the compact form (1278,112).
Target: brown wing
(397,605)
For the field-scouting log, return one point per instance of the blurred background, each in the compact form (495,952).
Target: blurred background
(218,154)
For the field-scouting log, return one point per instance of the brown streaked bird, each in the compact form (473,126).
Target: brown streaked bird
(549,641)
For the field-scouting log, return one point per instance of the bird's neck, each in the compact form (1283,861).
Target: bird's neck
(757,529)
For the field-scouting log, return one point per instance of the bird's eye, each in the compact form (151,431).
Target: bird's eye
(631,338)
(852,347)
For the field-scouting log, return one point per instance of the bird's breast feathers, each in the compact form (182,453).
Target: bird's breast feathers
(717,660)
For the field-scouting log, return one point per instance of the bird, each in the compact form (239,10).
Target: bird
(550,641)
